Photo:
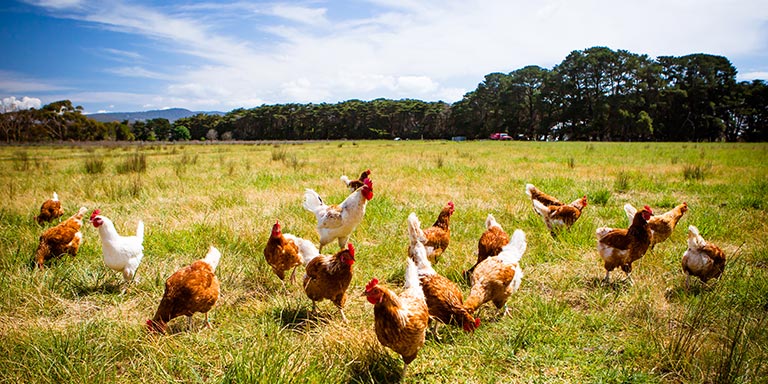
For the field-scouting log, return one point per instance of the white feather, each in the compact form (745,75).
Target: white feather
(307,250)
(630,211)
(541,209)
(121,253)
(213,257)
(312,201)
(528,190)
(412,284)
(695,241)
(491,222)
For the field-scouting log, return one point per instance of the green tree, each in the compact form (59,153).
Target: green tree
(698,98)
(180,132)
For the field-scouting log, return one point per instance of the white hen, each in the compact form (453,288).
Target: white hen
(121,253)
(338,221)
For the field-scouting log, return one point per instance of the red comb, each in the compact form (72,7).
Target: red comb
(451,204)
(647,208)
(351,249)
(374,282)
(95,213)
(368,182)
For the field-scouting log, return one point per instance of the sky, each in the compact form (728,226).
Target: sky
(137,55)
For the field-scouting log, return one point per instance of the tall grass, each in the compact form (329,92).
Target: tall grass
(93,165)
(71,323)
(621,184)
(134,163)
(21,161)
(695,172)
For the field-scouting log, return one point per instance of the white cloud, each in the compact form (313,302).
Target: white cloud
(14,82)
(419,85)
(304,15)
(57,4)
(137,72)
(748,76)
(119,54)
(11,104)
(429,49)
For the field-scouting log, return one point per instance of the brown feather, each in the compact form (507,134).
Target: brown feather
(49,211)
(545,199)
(622,247)
(491,282)
(439,234)
(663,225)
(62,239)
(445,302)
(403,334)
(281,254)
(328,277)
(189,290)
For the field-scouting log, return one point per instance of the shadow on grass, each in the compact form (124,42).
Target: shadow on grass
(616,285)
(446,333)
(376,367)
(679,292)
(301,319)
(106,287)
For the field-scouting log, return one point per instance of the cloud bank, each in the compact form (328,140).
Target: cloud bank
(11,104)
(245,54)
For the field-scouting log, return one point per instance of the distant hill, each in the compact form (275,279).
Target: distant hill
(172,114)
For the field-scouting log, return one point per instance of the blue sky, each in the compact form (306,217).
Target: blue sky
(121,55)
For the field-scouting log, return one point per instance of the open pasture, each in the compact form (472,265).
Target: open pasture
(70,322)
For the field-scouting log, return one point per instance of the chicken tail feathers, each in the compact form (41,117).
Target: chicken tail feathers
(529,188)
(312,200)
(513,251)
(414,229)
(307,251)
(540,208)
(213,257)
(695,240)
(140,230)
(345,180)
(412,279)
(490,221)
(630,211)
(55,196)
(416,249)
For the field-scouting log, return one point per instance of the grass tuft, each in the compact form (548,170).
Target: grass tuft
(21,161)
(134,163)
(93,165)
(695,172)
(621,183)
(600,197)
(279,154)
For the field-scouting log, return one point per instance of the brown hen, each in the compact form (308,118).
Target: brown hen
(64,238)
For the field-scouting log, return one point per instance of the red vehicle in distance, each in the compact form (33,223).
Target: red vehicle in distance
(500,136)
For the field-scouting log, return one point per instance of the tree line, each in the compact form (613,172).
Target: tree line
(593,94)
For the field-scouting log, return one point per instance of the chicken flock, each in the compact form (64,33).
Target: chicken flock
(402,320)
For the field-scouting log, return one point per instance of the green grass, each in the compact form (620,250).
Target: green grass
(71,323)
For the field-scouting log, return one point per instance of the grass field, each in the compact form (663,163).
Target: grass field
(71,323)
